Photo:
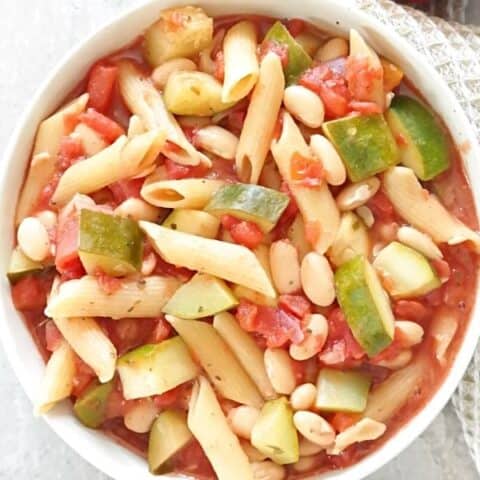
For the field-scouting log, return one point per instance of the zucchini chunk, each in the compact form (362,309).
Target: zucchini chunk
(110,243)
(20,265)
(365,304)
(253,203)
(424,146)
(91,406)
(365,144)
(408,272)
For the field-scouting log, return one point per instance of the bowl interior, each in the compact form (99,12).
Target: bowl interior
(331,15)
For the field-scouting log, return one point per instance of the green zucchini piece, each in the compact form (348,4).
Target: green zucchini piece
(409,273)
(195,222)
(20,265)
(202,296)
(365,144)
(342,391)
(91,406)
(110,243)
(253,203)
(424,148)
(365,304)
(169,434)
(298,58)
(274,432)
(155,368)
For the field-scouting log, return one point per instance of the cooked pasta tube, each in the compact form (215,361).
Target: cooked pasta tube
(135,126)
(231,262)
(136,298)
(124,159)
(241,63)
(316,204)
(43,164)
(90,343)
(222,367)
(92,142)
(57,382)
(256,136)
(210,427)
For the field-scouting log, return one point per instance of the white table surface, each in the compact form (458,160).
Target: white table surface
(34,35)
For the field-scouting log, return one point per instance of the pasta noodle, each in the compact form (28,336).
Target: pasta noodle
(84,297)
(135,126)
(241,63)
(92,142)
(256,136)
(231,262)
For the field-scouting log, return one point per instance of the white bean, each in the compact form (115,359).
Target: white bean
(303,397)
(322,148)
(398,362)
(280,370)
(419,241)
(307,448)
(33,240)
(357,194)
(148,264)
(314,428)
(140,417)
(317,279)
(305,105)
(47,218)
(137,209)
(242,419)
(267,471)
(332,49)
(161,73)
(304,464)
(366,215)
(217,140)
(315,337)
(285,267)
(411,332)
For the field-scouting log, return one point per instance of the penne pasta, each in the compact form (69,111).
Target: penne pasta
(57,382)
(136,298)
(195,222)
(135,126)
(92,142)
(124,159)
(90,343)
(209,426)
(259,125)
(241,63)
(43,164)
(231,262)
(316,204)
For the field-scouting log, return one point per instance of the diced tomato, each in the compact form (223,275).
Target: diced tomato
(53,337)
(30,293)
(228,221)
(117,406)
(175,398)
(108,284)
(164,268)
(247,234)
(295,26)
(411,310)
(192,460)
(279,49)
(70,151)
(175,171)
(299,370)
(235,120)
(84,375)
(162,331)
(341,421)
(305,171)
(247,315)
(46,194)
(442,268)
(128,333)
(296,304)
(219,66)
(362,78)
(67,260)
(101,82)
(365,108)
(313,231)
(125,189)
(108,129)
(381,206)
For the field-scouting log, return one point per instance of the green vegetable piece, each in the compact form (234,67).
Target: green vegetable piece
(298,58)
(424,147)
(253,203)
(109,243)
(408,272)
(20,265)
(342,391)
(203,296)
(365,144)
(90,408)
(365,304)
(169,434)
(156,368)
(274,433)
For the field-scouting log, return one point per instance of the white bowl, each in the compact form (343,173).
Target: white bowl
(332,15)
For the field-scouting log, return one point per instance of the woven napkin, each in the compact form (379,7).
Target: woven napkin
(452,49)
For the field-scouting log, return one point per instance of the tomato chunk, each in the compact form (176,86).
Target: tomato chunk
(107,128)
(296,304)
(84,375)
(243,232)
(53,337)
(67,260)
(125,189)
(306,171)
(30,293)
(279,49)
(219,66)
(101,82)
(69,152)
(411,310)
(361,78)
(296,26)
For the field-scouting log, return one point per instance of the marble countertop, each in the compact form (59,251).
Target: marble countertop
(34,35)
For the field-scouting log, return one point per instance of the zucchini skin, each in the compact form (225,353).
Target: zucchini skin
(91,407)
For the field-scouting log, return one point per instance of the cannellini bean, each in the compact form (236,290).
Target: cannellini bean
(242,419)
(357,194)
(303,397)
(161,73)
(333,48)
(314,428)
(398,362)
(304,464)
(33,240)
(148,265)
(316,333)
(140,417)
(317,279)
(217,140)
(253,454)
(305,105)
(366,215)
(365,429)
(205,61)
(190,121)
(267,471)
(307,448)
(280,370)
(47,218)
(411,332)
(309,42)
(138,209)
(285,267)
(322,148)
(419,241)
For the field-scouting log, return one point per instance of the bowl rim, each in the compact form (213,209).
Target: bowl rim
(424,417)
